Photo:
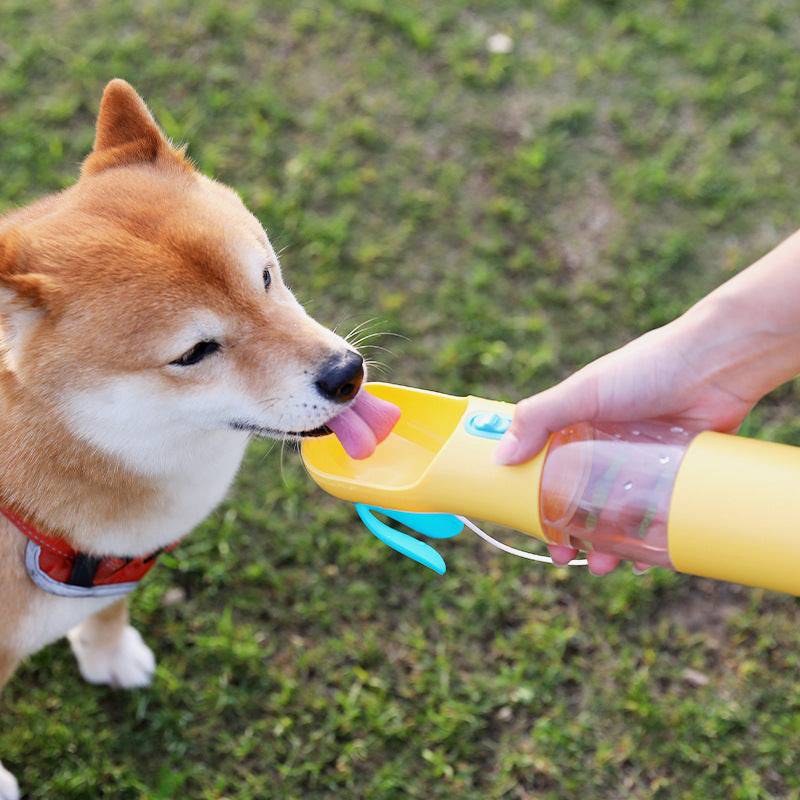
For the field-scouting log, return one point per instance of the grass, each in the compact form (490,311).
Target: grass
(514,216)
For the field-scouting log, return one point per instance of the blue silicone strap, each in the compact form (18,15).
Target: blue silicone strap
(437,526)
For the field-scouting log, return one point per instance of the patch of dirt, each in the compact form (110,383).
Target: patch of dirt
(705,606)
(584,226)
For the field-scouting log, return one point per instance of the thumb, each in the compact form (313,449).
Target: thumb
(537,417)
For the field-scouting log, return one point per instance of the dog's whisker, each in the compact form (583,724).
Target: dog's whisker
(367,336)
(364,338)
(284,440)
(378,366)
(377,347)
(348,319)
(364,323)
(394,334)
(269,402)
(368,326)
(268,451)
(362,327)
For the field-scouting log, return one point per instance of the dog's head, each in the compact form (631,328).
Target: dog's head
(145,304)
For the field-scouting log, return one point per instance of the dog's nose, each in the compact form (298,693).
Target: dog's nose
(340,377)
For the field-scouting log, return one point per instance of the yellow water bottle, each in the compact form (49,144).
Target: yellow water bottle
(707,504)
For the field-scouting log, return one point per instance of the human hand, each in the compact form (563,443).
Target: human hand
(678,373)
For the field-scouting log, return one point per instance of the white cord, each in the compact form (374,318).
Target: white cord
(578,562)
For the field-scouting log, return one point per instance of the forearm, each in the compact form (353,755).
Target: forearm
(745,336)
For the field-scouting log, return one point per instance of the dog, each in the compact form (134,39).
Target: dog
(146,334)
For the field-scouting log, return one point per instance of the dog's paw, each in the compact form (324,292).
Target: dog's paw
(9,788)
(129,664)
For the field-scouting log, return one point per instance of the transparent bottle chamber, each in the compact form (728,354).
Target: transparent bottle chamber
(607,487)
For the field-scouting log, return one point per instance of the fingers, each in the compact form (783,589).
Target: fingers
(599,563)
(537,417)
(561,554)
(602,563)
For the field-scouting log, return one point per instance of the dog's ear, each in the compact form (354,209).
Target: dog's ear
(127,133)
(26,296)
(21,286)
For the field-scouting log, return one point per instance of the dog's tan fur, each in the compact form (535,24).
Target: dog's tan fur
(101,287)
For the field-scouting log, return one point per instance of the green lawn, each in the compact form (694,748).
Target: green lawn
(511,216)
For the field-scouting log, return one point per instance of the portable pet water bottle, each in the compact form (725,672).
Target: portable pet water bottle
(708,504)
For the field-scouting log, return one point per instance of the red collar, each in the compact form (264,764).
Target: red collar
(58,568)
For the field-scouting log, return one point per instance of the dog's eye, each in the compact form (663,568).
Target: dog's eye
(197,353)
(267,278)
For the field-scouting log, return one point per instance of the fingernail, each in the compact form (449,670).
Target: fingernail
(507,449)
(639,570)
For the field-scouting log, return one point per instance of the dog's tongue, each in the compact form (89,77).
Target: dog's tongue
(366,423)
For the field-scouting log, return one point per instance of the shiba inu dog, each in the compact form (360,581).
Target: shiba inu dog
(146,334)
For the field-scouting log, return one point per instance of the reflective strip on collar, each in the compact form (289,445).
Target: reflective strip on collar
(47,584)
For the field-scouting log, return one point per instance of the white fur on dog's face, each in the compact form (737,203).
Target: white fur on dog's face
(149,429)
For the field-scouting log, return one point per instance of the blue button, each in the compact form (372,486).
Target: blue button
(488,425)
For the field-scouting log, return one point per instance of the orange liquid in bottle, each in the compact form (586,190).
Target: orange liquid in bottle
(607,487)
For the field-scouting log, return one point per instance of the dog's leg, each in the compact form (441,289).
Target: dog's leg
(9,789)
(110,651)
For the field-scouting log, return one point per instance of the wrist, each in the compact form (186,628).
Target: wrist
(730,340)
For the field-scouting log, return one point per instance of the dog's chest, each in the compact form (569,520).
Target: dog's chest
(185,499)
(48,618)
